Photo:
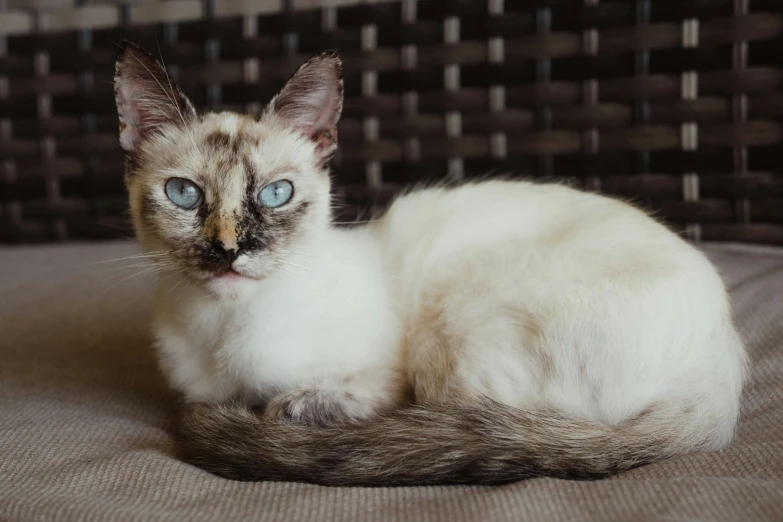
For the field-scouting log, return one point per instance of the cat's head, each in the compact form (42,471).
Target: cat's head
(224,197)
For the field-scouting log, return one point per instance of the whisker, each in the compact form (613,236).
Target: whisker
(292,264)
(171,88)
(298,253)
(178,283)
(137,265)
(133,257)
(175,272)
(284,269)
(155,269)
(147,270)
(170,96)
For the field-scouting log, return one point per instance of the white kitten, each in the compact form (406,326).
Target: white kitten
(483,333)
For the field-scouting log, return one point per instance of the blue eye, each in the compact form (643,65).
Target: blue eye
(183,193)
(276,194)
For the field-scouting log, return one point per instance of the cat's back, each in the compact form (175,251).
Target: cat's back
(532,247)
(440,225)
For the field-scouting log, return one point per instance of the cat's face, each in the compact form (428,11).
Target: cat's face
(225,198)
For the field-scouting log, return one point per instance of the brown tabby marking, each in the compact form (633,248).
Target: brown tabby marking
(438,443)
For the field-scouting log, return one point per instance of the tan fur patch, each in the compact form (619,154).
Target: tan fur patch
(432,353)
(227,233)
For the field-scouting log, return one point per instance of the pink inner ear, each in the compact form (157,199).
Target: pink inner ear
(325,138)
(128,113)
(316,112)
(312,100)
(129,137)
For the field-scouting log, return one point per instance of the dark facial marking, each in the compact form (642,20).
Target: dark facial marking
(205,209)
(266,228)
(225,151)
(251,223)
(250,171)
(213,257)
(221,142)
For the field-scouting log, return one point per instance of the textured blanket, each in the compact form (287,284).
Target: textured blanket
(85,419)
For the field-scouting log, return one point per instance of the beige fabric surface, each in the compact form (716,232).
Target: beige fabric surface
(85,418)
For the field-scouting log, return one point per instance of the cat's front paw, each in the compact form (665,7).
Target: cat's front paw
(315,407)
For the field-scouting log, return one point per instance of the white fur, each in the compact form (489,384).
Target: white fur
(551,297)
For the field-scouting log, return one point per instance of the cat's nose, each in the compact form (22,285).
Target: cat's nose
(229,254)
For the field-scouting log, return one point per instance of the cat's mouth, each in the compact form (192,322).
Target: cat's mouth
(210,271)
(227,283)
(230,275)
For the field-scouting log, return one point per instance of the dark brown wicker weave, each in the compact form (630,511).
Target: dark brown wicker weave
(674,104)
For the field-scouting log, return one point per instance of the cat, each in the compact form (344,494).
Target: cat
(480,333)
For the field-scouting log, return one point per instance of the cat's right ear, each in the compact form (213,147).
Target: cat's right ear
(146,96)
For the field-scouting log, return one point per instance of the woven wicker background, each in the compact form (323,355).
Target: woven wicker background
(676,105)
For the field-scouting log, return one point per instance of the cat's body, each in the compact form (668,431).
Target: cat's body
(582,304)
(536,329)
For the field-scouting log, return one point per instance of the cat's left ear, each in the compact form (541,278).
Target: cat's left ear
(312,100)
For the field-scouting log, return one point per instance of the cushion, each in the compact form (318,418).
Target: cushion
(86,417)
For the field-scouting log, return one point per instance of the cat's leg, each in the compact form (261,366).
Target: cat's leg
(350,398)
(482,351)
(194,373)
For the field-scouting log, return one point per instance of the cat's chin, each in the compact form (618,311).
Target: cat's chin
(230,285)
